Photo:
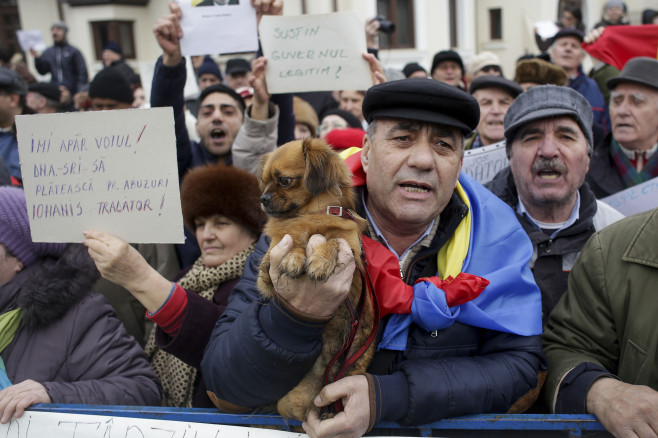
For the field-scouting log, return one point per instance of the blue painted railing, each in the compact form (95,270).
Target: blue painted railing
(564,425)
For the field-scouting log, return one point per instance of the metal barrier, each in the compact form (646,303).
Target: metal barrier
(562,425)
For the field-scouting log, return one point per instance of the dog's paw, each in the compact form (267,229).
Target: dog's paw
(293,264)
(322,262)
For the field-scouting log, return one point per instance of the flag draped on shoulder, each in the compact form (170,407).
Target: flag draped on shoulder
(483,278)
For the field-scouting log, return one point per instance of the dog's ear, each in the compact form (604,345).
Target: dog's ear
(325,169)
(261,167)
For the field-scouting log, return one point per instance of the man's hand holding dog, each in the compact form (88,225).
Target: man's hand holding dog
(352,421)
(318,300)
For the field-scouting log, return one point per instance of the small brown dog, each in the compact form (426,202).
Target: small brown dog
(299,181)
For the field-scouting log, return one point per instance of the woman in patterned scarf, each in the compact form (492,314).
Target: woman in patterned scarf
(221,205)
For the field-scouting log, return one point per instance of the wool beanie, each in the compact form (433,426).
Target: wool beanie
(109,83)
(15,229)
(113,47)
(208,66)
(224,190)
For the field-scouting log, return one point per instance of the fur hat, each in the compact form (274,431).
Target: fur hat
(224,190)
(15,229)
(540,72)
(304,113)
(109,83)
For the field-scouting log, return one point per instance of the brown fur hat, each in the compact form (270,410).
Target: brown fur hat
(224,190)
(540,71)
(304,113)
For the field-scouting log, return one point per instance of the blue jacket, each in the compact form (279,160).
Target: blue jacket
(258,351)
(9,153)
(588,88)
(66,66)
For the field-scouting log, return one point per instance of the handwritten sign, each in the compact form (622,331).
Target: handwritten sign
(218,26)
(31,39)
(636,199)
(315,53)
(115,171)
(57,425)
(485,162)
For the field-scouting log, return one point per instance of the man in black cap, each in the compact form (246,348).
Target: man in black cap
(628,155)
(43,97)
(12,103)
(110,90)
(64,62)
(448,67)
(494,95)
(426,220)
(238,73)
(548,130)
(567,52)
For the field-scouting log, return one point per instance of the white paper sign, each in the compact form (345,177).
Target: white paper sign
(115,171)
(315,53)
(56,425)
(546,29)
(213,27)
(485,162)
(31,39)
(636,199)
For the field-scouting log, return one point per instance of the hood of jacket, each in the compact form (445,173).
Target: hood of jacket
(47,289)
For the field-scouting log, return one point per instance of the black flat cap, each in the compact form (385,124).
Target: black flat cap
(424,100)
(11,82)
(569,32)
(46,89)
(641,70)
(493,81)
(237,65)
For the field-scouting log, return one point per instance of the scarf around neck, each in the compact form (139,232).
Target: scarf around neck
(628,173)
(176,376)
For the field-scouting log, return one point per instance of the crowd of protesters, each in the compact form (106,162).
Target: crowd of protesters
(555,284)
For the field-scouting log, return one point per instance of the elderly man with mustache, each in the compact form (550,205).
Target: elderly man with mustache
(549,143)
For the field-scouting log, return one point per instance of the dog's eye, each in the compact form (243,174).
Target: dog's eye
(284,181)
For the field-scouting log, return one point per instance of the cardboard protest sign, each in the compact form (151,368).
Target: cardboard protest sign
(485,162)
(315,53)
(115,171)
(218,26)
(636,199)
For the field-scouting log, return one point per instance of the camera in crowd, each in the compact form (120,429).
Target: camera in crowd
(385,25)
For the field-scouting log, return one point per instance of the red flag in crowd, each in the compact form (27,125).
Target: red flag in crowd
(618,44)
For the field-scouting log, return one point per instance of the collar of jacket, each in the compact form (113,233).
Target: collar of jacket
(503,186)
(449,220)
(642,249)
(48,288)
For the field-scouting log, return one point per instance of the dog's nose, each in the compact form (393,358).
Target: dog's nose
(266,199)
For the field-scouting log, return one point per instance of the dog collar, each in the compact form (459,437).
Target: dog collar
(337,210)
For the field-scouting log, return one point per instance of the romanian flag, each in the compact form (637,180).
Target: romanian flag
(618,44)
